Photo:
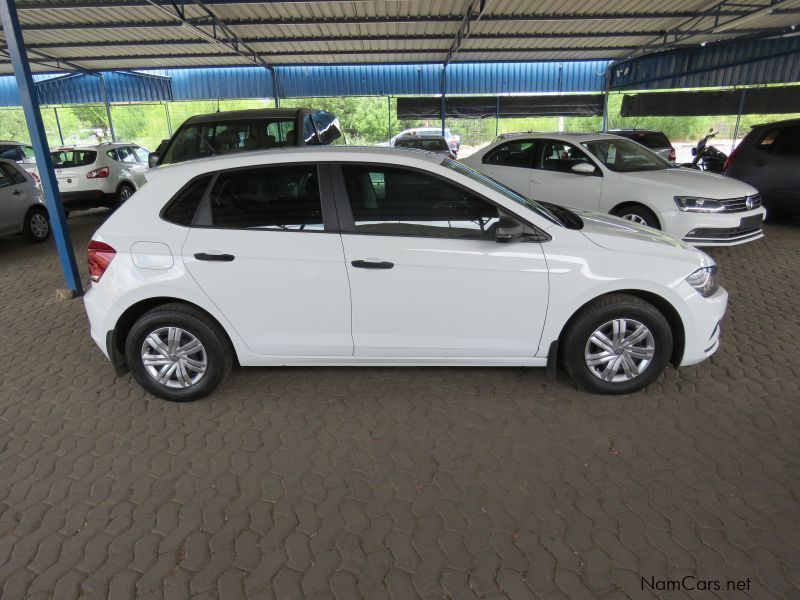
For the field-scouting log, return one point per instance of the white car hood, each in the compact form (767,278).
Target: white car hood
(621,235)
(690,182)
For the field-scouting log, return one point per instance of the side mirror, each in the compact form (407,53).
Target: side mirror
(508,230)
(584,169)
(152,159)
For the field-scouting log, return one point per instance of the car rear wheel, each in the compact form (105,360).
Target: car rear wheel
(618,344)
(37,225)
(178,353)
(124,192)
(637,214)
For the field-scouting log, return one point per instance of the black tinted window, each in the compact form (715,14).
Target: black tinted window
(283,197)
(10,152)
(15,174)
(64,159)
(785,140)
(5,180)
(650,139)
(512,154)
(395,201)
(430,144)
(227,137)
(183,206)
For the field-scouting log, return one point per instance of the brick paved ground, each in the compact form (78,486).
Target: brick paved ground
(373,483)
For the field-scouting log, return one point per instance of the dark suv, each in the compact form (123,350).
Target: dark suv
(654,140)
(245,130)
(768,158)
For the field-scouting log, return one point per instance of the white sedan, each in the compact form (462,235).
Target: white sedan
(611,174)
(364,256)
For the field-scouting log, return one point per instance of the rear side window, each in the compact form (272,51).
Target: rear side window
(10,152)
(284,198)
(518,153)
(785,140)
(182,208)
(64,159)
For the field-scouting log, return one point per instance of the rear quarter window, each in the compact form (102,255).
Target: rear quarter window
(183,206)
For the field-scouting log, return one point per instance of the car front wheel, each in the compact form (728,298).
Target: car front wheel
(637,214)
(618,344)
(178,353)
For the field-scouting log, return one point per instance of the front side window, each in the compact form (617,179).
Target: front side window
(284,197)
(141,154)
(27,153)
(785,140)
(5,180)
(560,156)
(126,154)
(518,153)
(625,156)
(395,201)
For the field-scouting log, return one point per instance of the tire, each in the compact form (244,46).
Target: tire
(611,376)
(36,228)
(215,351)
(638,214)
(124,192)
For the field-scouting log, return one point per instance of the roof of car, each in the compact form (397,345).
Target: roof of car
(564,136)
(251,113)
(66,147)
(429,135)
(779,123)
(620,130)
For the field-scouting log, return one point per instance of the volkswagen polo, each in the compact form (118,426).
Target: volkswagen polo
(391,257)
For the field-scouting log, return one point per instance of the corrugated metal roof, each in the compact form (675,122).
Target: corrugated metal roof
(134,34)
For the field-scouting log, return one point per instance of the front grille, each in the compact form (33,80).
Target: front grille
(740,204)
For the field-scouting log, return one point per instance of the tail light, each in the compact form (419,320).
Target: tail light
(101,173)
(36,178)
(100,256)
(672,155)
(729,161)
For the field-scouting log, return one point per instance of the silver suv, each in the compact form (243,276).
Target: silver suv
(22,209)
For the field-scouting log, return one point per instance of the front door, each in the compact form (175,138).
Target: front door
(553,180)
(427,278)
(264,256)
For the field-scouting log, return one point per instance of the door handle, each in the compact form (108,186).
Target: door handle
(16,192)
(365,264)
(535,180)
(216,257)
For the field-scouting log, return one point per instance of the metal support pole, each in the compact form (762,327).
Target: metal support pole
(275,91)
(30,106)
(169,121)
(606,88)
(58,125)
(444,91)
(738,119)
(108,107)
(389,124)
(497,116)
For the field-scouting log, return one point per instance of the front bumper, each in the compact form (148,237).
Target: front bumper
(715,229)
(704,325)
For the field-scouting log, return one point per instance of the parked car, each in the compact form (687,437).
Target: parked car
(22,154)
(22,209)
(611,174)
(223,259)
(657,141)
(430,142)
(453,140)
(245,130)
(104,175)
(768,158)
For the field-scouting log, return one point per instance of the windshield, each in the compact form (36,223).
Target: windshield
(501,189)
(625,156)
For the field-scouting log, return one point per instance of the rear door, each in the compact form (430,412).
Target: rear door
(266,250)
(553,180)
(511,163)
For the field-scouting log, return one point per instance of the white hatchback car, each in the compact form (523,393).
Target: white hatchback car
(611,174)
(104,175)
(363,256)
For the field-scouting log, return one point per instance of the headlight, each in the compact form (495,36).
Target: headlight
(702,205)
(704,281)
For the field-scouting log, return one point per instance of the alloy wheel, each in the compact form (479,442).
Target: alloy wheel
(635,218)
(40,227)
(619,350)
(174,357)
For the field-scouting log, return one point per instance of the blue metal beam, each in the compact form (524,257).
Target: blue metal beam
(30,106)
